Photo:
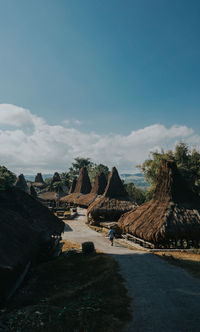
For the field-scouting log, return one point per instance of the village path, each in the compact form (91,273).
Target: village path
(165,298)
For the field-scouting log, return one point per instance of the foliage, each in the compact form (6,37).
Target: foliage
(188,163)
(7,178)
(95,169)
(137,194)
(92,168)
(65,179)
(48,181)
(77,165)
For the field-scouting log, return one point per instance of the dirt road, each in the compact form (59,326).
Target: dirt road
(164,298)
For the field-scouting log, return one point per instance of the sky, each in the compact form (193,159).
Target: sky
(111,80)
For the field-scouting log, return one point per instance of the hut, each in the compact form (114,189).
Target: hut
(83,186)
(39,182)
(21,183)
(28,232)
(97,190)
(73,186)
(113,203)
(32,191)
(39,178)
(172,217)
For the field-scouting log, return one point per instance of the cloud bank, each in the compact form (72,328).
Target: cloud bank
(29,144)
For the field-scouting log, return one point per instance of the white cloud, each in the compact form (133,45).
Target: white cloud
(47,148)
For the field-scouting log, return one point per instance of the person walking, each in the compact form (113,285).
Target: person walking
(111,235)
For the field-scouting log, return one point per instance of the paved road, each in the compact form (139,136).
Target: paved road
(164,297)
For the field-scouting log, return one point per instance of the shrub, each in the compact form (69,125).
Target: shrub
(87,247)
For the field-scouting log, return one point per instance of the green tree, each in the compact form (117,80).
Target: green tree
(77,165)
(188,163)
(137,194)
(95,169)
(7,178)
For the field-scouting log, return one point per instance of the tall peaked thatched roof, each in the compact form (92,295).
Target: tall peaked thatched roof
(98,188)
(73,185)
(39,178)
(113,203)
(32,191)
(21,183)
(173,212)
(56,178)
(115,187)
(83,186)
(99,184)
(26,226)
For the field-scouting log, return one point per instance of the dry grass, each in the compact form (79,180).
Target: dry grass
(68,245)
(190,261)
(82,293)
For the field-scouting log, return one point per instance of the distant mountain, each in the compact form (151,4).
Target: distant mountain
(137,178)
(32,177)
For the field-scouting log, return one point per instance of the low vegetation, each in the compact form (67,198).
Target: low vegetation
(75,292)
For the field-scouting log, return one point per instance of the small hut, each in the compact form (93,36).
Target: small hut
(97,190)
(39,182)
(32,191)
(28,232)
(21,183)
(172,217)
(73,186)
(39,178)
(83,186)
(114,202)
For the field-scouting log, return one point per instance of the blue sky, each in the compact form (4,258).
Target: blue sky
(102,66)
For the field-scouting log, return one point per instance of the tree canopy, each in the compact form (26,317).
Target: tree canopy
(7,178)
(188,163)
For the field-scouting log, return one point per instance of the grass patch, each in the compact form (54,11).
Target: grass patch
(190,261)
(79,293)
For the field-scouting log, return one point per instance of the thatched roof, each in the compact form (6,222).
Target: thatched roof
(26,225)
(39,178)
(39,182)
(113,203)
(51,195)
(173,212)
(56,178)
(32,191)
(21,183)
(73,185)
(98,188)
(83,186)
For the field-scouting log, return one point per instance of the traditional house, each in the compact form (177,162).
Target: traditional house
(172,217)
(28,232)
(83,186)
(39,182)
(113,203)
(21,183)
(97,190)
(73,186)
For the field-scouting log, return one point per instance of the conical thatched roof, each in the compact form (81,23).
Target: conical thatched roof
(51,195)
(98,188)
(26,227)
(39,178)
(39,182)
(113,203)
(73,185)
(83,186)
(21,183)
(173,212)
(32,191)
